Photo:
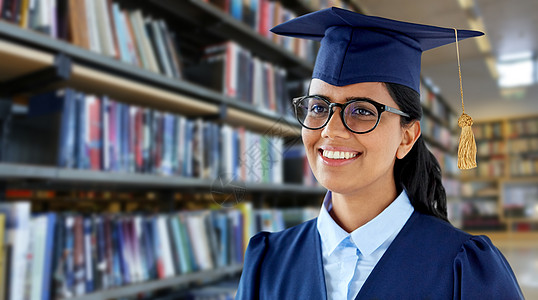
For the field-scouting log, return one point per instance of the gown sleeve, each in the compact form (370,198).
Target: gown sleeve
(482,272)
(250,277)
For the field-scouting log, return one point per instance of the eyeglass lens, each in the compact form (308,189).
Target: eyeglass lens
(359,116)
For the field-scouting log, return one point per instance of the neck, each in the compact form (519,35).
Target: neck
(352,210)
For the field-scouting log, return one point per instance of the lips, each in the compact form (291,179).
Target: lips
(338,156)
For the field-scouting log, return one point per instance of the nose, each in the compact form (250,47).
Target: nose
(335,127)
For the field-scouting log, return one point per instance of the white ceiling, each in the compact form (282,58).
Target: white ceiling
(511,26)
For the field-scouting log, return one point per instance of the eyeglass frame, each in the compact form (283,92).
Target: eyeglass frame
(380,109)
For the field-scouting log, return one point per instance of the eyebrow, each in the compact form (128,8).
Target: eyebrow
(347,99)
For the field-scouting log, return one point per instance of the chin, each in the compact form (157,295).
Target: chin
(338,184)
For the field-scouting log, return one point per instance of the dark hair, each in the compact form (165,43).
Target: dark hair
(419,171)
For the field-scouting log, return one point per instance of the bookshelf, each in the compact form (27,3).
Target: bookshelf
(506,178)
(440,132)
(33,62)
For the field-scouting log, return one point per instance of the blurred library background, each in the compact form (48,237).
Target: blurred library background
(142,143)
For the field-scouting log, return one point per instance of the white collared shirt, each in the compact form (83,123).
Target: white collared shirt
(349,258)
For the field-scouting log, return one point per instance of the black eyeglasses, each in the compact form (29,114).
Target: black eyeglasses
(359,115)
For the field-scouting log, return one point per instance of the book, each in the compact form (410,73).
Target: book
(82,148)
(78,24)
(174,245)
(79,271)
(236,9)
(150,258)
(89,244)
(58,109)
(136,22)
(160,48)
(180,253)
(24,14)
(108,136)
(136,236)
(169,49)
(198,237)
(120,33)
(62,19)
(104,26)
(164,238)
(94,130)
(101,274)
(42,255)
(17,232)
(187,243)
(3,252)
(134,55)
(143,40)
(91,12)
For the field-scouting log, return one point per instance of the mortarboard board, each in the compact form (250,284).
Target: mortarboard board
(359,48)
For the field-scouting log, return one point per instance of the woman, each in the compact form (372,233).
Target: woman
(382,232)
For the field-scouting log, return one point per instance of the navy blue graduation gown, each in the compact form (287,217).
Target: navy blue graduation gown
(429,259)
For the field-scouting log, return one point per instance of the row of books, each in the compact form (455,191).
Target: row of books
(487,169)
(523,146)
(104,27)
(487,148)
(447,161)
(261,16)
(520,166)
(525,127)
(233,71)
(492,130)
(61,255)
(440,133)
(84,131)
(520,200)
(452,186)
(480,189)
(430,100)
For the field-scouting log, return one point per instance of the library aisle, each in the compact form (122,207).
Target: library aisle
(142,143)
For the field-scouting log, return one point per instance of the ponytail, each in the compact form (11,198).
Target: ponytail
(419,171)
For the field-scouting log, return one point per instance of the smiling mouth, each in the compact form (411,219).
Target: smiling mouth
(338,154)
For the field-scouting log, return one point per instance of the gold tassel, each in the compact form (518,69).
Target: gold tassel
(467,144)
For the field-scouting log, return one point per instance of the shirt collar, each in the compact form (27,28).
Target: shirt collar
(331,233)
(371,235)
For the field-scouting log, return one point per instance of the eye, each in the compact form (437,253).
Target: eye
(362,112)
(318,109)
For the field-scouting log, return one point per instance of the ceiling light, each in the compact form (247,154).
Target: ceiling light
(516,70)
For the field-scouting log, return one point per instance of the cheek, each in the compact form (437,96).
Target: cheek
(383,145)
(310,138)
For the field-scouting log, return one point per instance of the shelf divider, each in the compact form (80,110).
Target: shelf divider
(204,277)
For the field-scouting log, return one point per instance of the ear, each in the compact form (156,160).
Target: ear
(410,135)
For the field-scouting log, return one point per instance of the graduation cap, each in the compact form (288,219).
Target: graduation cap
(359,48)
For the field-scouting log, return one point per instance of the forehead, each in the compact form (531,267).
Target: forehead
(373,90)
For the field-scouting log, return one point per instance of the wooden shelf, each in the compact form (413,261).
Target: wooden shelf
(19,60)
(203,277)
(521,219)
(95,73)
(53,177)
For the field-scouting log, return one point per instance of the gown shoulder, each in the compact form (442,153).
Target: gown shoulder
(481,271)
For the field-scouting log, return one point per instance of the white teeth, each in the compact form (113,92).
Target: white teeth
(339,154)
